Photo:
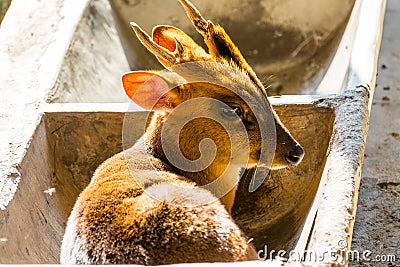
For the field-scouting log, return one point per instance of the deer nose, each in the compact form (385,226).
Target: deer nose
(295,156)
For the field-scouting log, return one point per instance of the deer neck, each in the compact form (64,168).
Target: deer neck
(220,177)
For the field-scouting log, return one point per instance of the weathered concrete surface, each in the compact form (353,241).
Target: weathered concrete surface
(284,47)
(337,196)
(33,38)
(92,67)
(377,226)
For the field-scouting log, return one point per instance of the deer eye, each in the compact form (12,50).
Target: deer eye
(232,112)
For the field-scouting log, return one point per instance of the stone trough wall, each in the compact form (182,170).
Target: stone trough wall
(56,53)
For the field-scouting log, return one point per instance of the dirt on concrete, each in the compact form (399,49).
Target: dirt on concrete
(377,229)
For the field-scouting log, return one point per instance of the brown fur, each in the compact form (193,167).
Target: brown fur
(116,220)
(122,225)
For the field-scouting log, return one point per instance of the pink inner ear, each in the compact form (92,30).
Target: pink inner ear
(163,40)
(146,89)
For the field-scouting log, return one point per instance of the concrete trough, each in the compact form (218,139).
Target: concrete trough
(63,110)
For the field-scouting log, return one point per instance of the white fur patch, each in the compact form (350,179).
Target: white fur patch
(73,248)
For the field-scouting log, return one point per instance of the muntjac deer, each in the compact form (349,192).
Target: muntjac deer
(139,207)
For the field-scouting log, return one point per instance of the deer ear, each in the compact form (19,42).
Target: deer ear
(148,90)
(170,38)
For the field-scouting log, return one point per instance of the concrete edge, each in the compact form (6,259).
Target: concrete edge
(336,75)
(124,107)
(337,198)
(351,125)
(34,37)
(355,61)
(366,46)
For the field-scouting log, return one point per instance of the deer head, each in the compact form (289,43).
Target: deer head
(221,74)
